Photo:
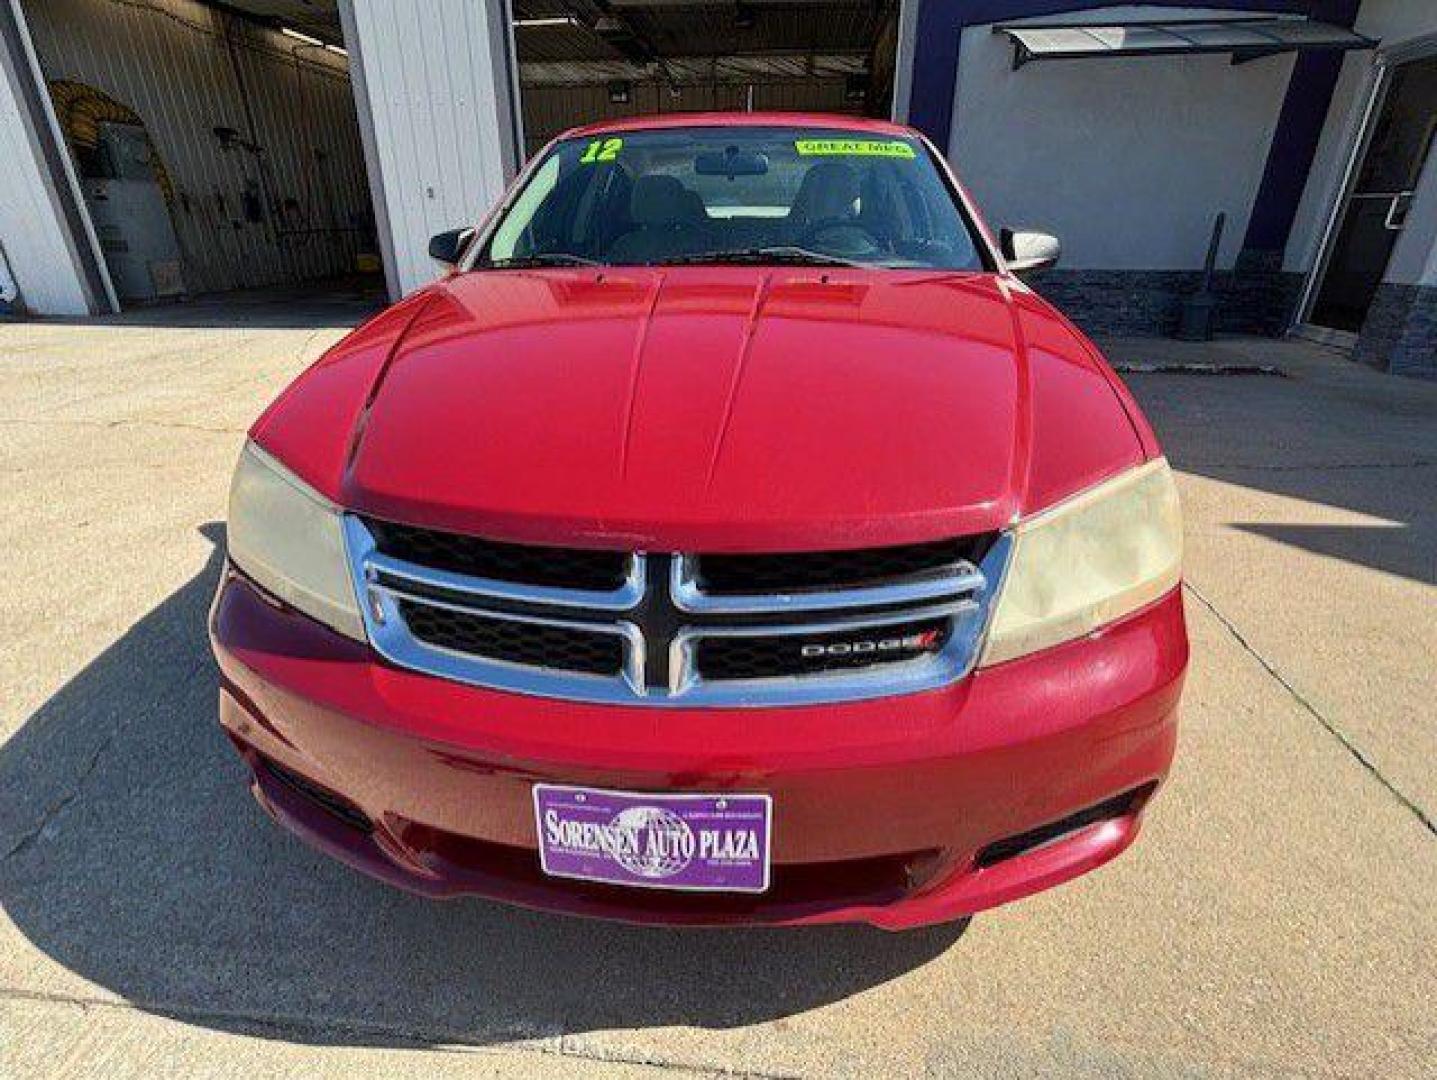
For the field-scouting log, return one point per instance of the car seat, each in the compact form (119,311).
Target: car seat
(669,219)
(828,192)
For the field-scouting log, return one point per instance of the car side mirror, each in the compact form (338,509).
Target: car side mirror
(448,247)
(1024,251)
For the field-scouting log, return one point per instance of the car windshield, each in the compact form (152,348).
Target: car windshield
(761,195)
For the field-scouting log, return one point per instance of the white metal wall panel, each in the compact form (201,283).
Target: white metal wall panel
(45,277)
(187,69)
(903,63)
(438,97)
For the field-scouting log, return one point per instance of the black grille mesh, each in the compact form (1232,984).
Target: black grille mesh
(769,657)
(585,651)
(730,574)
(565,568)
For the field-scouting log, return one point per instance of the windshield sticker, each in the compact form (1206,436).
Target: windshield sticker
(853,148)
(601,150)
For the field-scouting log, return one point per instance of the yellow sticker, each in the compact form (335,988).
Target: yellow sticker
(853,148)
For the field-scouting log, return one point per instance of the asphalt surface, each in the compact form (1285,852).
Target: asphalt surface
(1276,916)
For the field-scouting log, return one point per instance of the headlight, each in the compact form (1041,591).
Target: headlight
(290,540)
(1087,561)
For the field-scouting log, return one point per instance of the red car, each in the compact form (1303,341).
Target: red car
(730,537)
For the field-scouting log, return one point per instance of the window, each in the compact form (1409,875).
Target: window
(737,194)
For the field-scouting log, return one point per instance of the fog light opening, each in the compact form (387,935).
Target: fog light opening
(341,809)
(1011,847)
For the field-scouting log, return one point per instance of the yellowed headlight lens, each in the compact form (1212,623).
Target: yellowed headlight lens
(290,540)
(1088,561)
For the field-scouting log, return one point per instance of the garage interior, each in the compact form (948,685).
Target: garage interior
(590,60)
(219,152)
(216,145)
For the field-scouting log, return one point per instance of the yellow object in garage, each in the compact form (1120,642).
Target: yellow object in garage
(81,110)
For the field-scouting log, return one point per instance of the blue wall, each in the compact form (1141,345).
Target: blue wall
(1294,144)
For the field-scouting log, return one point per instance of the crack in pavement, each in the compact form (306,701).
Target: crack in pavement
(433,1041)
(56,810)
(1330,726)
(109,425)
(1320,466)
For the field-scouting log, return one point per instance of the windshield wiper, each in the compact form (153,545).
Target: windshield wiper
(543,258)
(778,253)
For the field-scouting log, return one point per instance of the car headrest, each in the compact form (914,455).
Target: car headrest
(829,190)
(663,200)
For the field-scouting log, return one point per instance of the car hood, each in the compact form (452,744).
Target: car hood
(708,408)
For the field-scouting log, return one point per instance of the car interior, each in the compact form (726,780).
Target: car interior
(667,209)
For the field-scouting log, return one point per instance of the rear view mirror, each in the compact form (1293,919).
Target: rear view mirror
(732,162)
(448,247)
(1024,250)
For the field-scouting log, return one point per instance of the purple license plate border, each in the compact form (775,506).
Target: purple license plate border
(700,864)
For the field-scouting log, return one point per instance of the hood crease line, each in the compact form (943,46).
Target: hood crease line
(361,421)
(636,363)
(760,296)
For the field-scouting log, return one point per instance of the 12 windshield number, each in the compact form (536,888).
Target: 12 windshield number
(601,150)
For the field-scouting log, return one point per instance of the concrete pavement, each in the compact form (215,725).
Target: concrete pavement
(1276,916)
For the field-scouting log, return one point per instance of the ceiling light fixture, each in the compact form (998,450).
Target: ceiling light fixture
(548,21)
(290,32)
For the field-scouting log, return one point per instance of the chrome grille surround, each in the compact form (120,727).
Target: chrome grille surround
(661,614)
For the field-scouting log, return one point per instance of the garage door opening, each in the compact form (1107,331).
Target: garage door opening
(582,61)
(217,146)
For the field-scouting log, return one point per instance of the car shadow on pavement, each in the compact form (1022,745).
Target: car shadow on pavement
(132,854)
(1363,448)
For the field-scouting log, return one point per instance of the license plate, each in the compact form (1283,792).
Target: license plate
(699,843)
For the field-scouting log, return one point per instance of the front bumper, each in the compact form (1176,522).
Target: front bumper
(899,812)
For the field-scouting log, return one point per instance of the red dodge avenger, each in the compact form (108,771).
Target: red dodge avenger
(731,537)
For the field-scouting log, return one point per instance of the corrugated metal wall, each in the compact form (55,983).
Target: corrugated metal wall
(187,69)
(438,85)
(548,110)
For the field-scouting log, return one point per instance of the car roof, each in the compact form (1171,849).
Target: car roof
(826,121)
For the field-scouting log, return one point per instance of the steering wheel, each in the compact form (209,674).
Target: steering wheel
(845,236)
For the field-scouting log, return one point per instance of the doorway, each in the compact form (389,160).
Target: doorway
(1400,133)
(582,61)
(217,147)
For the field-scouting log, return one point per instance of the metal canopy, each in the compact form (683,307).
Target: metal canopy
(1244,39)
